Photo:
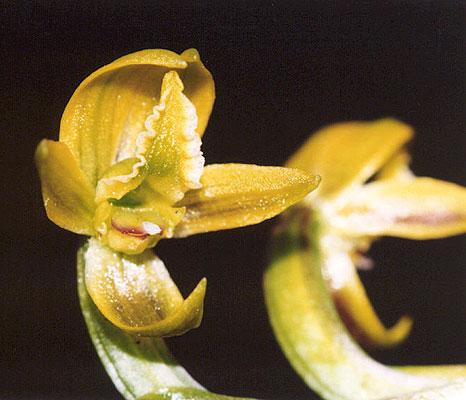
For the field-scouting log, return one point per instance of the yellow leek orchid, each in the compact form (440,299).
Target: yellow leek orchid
(128,171)
(312,287)
(354,213)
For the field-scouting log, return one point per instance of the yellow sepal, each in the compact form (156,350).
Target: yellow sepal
(68,196)
(349,153)
(136,292)
(107,112)
(397,168)
(198,88)
(234,195)
(419,208)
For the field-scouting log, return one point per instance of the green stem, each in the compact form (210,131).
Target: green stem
(140,367)
(311,333)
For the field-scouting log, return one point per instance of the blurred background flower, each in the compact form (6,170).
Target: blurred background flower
(282,69)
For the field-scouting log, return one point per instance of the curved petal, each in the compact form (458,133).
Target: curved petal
(117,180)
(234,195)
(349,153)
(397,168)
(68,196)
(140,367)
(355,308)
(167,153)
(351,301)
(137,294)
(198,87)
(108,110)
(420,208)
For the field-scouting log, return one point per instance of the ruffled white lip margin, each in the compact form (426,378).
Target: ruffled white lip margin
(192,163)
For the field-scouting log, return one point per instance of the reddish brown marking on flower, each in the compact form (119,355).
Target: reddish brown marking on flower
(350,323)
(362,262)
(130,231)
(430,219)
(346,317)
(433,219)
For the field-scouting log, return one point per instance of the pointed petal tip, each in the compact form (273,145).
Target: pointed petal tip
(137,294)
(356,311)
(400,331)
(348,153)
(237,195)
(191,55)
(389,337)
(187,317)
(67,195)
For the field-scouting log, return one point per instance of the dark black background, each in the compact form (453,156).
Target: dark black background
(282,69)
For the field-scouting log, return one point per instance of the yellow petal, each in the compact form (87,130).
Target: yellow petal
(348,153)
(106,113)
(137,294)
(198,87)
(114,185)
(174,159)
(355,308)
(234,195)
(420,208)
(68,196)
(397,168)
(167,153)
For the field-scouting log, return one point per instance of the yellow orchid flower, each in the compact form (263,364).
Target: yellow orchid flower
(128,171)
(312,286)
(353,213)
